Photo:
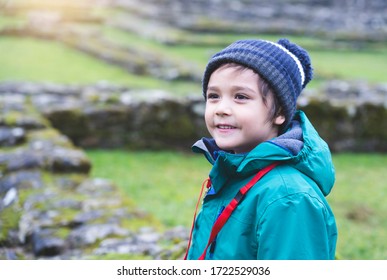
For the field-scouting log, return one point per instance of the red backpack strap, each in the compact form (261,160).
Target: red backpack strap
(225,215)
(207,184)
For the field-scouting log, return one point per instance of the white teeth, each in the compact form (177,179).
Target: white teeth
(225,127)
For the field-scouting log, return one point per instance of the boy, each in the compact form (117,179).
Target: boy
(251,88)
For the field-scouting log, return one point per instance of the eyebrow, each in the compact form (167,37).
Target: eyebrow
(212,88)
(234,88)
(237,88)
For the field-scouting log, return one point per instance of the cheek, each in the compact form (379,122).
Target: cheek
(253,120)
(208,114)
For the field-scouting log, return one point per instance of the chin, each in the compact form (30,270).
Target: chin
(223,146)
(226,147)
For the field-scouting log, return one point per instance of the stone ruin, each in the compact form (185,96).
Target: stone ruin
(346,19)
(350,116)
(51,208)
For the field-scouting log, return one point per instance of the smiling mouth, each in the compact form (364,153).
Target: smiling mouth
(222,126)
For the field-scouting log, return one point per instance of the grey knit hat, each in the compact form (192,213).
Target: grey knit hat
(284,65)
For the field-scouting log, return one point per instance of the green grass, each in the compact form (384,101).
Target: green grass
(167,185)
(359,203)
(367,62)
(7,21)
(29,59)
(367,65)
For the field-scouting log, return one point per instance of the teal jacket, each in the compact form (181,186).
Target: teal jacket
(285,215)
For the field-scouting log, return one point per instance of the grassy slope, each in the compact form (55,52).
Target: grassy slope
(37,60)
(365,63)
(359,202)
(167,185)
(163,183)
(29,59)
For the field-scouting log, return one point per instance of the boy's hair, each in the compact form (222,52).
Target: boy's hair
(264,89)
(285,66)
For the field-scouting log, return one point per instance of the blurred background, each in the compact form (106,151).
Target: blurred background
(101,100)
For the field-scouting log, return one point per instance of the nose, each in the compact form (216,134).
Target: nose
(223,108)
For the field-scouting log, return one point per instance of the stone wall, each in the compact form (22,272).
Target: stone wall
(50,208)
(349,116)
(347,19)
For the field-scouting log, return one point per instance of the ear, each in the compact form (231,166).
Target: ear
(279,120)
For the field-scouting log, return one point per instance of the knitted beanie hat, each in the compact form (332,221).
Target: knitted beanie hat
(284,65)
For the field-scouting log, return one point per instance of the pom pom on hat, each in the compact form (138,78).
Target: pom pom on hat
(284,65)
(302,55)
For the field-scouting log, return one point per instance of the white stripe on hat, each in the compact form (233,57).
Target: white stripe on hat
(295,58)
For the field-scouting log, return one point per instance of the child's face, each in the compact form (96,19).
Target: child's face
(235,115)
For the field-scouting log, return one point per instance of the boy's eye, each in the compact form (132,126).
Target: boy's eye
(212,96)
(241,97)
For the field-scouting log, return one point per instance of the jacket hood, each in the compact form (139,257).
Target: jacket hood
(300,147)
